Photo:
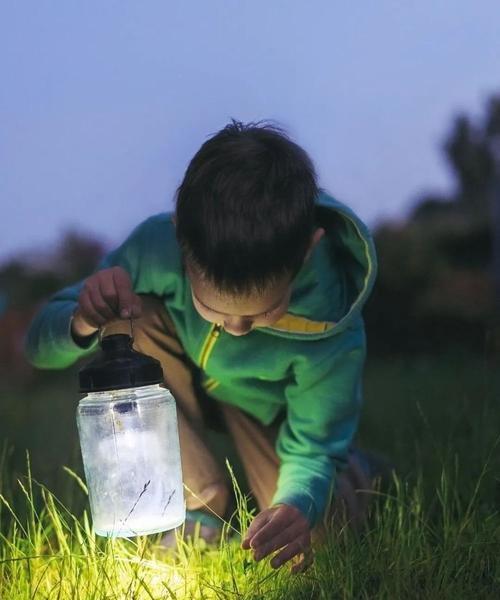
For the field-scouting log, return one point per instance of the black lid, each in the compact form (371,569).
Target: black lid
(119,366)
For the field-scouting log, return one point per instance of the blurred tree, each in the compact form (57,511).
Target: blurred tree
(26,282)
(22,285)
(77,256)
(473,152)
(437,269)
(493,133)
(469,154)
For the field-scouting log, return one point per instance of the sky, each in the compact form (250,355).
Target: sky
(104,102)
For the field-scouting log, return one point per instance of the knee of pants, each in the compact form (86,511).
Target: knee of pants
(215,497)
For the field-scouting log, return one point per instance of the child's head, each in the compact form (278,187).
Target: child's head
(245,223)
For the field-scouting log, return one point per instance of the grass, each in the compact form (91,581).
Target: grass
(435,533)
(407,551)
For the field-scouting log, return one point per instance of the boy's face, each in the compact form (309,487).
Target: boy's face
(240,314)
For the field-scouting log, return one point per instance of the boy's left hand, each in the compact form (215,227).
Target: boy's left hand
(281,526)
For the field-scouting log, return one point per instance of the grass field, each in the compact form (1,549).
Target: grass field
(435,533)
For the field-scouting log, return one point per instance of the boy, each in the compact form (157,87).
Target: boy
(254,289)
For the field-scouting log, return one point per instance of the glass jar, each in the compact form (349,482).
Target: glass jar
(130,449)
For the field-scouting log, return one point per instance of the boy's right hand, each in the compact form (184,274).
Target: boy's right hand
(106,296)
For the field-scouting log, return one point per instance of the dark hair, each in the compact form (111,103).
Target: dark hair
(245,208)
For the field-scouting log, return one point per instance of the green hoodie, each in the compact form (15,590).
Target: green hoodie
(307,366)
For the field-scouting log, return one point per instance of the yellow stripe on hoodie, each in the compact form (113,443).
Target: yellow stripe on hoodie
(295,324)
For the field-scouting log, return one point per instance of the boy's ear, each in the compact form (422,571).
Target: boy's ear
(317,235)
(174,219)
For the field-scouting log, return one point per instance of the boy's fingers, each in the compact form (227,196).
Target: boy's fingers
(128,304)
(133,308)
(260,520)
(289,552)
(99,304)
(89,313)
(278,541)
(136,307)
(108,290)
(302,565)
(279,521)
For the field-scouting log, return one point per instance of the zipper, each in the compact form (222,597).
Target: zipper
(209,343)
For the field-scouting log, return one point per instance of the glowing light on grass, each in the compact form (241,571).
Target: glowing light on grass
(160,576)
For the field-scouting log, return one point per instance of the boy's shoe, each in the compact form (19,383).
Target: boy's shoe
(199,525)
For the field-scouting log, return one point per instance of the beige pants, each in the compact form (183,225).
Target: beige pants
(154,335)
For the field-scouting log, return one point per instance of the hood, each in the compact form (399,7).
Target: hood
(332,287)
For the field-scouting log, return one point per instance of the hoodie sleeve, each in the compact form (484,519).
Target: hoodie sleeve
(49,343)
(323,406)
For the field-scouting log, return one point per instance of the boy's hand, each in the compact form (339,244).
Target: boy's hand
(106,296)
(281,527)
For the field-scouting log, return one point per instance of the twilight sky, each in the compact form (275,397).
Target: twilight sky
(103,102)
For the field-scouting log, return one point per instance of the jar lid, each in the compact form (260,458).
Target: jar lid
(119,366)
